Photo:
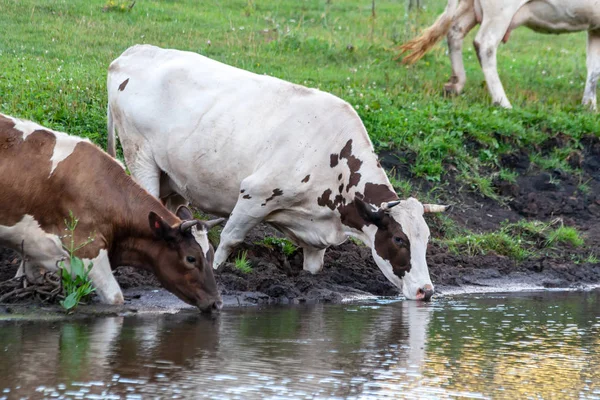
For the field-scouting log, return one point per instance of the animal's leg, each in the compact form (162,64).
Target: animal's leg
(103,279)
(255,202)
(174,201)
(239,223)
(593,69)
(168,194)
(143,167)
(313,259)
(34,273)
(463,23)
(494,25)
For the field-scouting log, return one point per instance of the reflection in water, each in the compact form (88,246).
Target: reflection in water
(534,345)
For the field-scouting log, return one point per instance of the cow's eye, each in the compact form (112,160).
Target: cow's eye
(398,240)
(191,259)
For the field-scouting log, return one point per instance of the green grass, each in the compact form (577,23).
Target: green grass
(55,54)
(285,245)
(517,241)
(242,263)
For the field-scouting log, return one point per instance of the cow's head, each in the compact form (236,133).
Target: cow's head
(184,261)
(399,235)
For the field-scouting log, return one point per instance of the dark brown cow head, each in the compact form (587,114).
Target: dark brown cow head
(184,265)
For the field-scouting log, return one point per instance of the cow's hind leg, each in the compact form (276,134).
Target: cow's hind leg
(313,259)
(103,279)
(142,166)
(593,69)
(496,21)
(463,23)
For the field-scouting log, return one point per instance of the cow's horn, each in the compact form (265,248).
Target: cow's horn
(187,225)
(213,222)
(434,208)
(389,204)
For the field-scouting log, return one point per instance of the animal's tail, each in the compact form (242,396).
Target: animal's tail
(111,145)
(419,46)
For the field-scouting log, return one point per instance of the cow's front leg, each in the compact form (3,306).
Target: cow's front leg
(103,279)
(463,23)
(593,69)
(494,25)
(313,259)
(237,227)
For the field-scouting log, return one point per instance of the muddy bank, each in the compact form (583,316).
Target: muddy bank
(350,271)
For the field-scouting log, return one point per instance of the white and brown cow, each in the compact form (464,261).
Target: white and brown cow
(45,175)
(498,19)
(261,149)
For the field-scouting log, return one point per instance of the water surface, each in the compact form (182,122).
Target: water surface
(533,345)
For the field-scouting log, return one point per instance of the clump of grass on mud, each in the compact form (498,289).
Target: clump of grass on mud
(242,263)
(285,245)
(517,241)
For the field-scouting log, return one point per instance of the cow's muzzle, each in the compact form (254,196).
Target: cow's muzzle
(425,293)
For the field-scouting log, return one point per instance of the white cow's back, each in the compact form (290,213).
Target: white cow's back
(209,125)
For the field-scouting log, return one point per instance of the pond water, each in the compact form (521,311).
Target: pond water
(528,345)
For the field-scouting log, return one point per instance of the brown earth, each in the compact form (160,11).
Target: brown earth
(350,270)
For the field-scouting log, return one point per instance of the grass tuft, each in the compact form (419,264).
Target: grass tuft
(242,263)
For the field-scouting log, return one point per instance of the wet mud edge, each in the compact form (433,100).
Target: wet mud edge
(350,272)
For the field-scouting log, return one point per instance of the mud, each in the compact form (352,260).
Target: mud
(350,271)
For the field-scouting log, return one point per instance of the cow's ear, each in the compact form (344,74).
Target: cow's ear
(367,212)
(159,227)
(184,213)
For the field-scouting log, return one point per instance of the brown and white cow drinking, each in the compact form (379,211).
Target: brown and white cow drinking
(45,175)
(261,149)
(498,19)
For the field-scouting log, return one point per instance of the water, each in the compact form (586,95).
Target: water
(535,345)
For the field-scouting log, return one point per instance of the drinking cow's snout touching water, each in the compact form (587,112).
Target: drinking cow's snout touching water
(45,175)
(257,148)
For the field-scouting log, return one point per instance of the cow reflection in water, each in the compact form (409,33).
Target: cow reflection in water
(51,353)
(253,345)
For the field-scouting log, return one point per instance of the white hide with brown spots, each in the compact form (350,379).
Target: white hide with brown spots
(256,148)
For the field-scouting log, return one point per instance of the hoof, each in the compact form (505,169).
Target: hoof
(451,89)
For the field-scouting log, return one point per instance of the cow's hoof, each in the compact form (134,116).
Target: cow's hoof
(590,105)
(451,89)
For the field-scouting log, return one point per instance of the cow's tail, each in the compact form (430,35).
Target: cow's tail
(111,145)
(416,48)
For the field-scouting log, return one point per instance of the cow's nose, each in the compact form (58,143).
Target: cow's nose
(425,293)
(217,305)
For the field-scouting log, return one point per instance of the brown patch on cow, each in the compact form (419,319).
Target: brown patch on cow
(306,178)
(350,217)
(247,196)
(340,177)
(377,193)
(333,160)
(276,192)
(242,191)
(393,245)
(354,165)
(341,188)
(123,85)
(325,200)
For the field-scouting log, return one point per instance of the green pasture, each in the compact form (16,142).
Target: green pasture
(54,56)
